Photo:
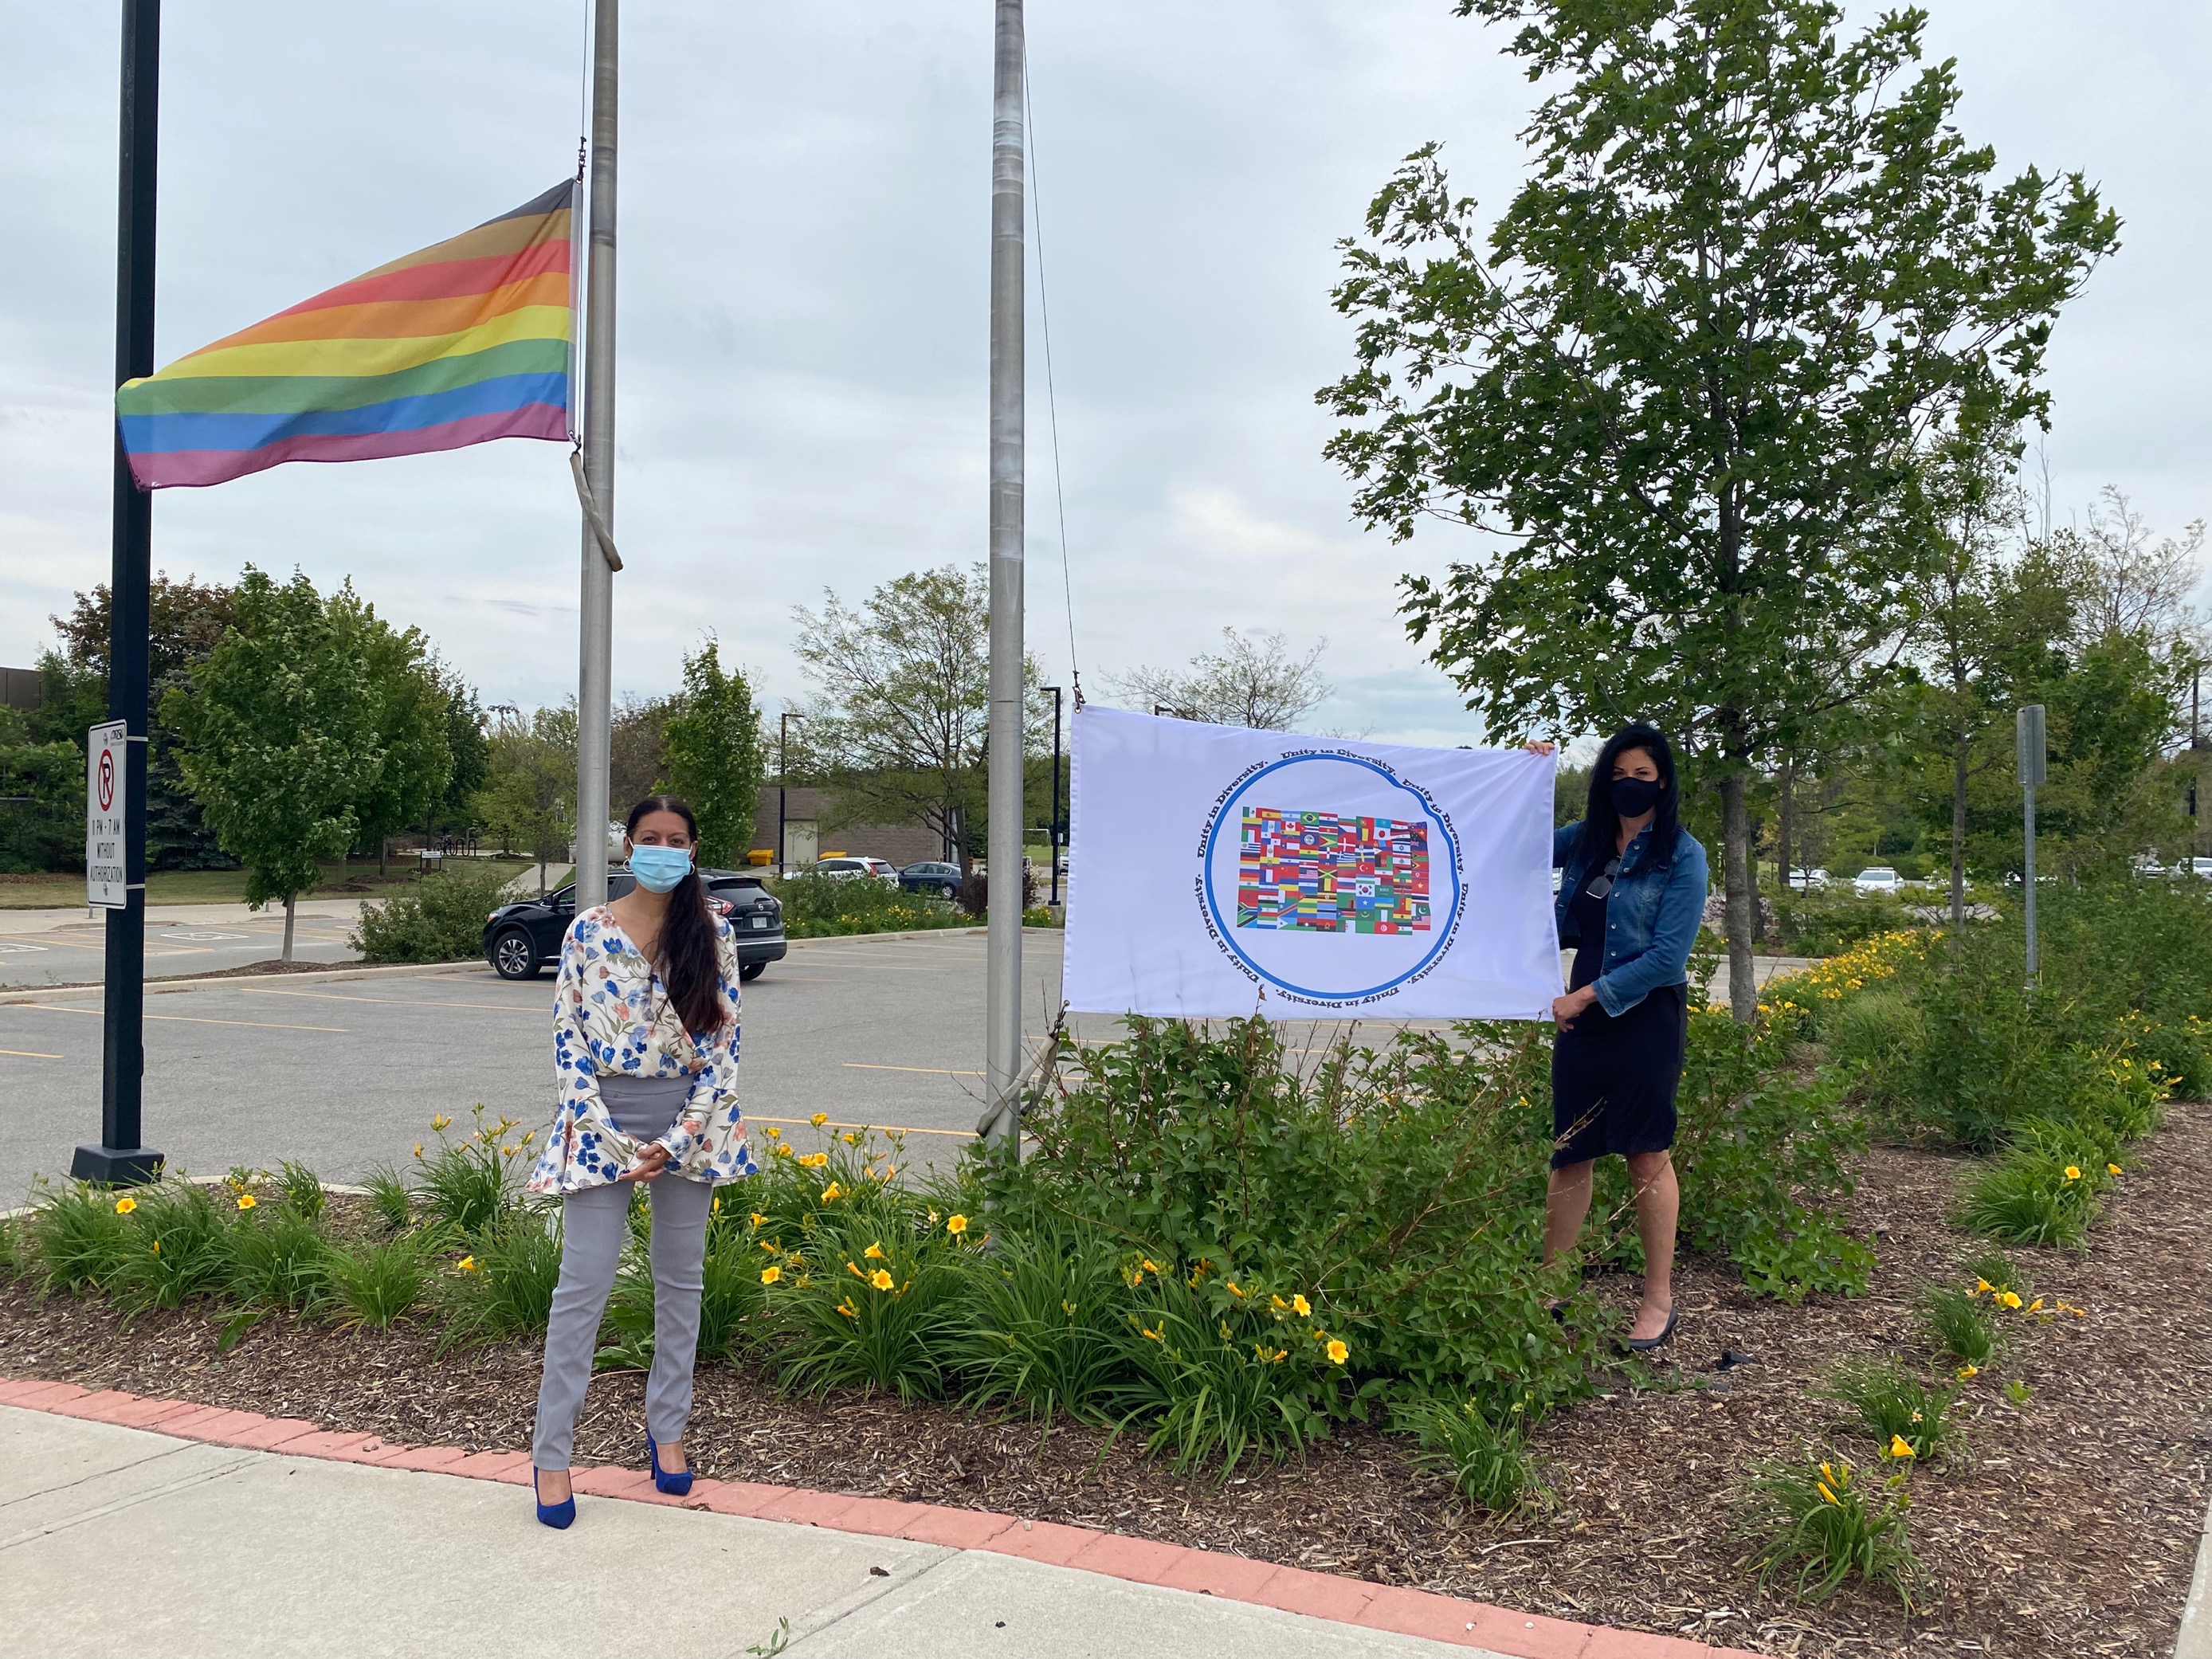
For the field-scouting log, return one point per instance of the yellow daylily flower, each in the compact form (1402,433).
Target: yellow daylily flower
(1301,1307)
(759,1220)
(2073,1172)
(440,1122)
(246,1200)
(1966,1371)
(819,1119)
(2114,1169)
(874,1252)
(467,1264)
(880,1280)
(2010,1298)
(1338,1352)
(770,1274)
(1900,1446)
(124,1205)
(832,1193)
(956,1225)
(1823,1487)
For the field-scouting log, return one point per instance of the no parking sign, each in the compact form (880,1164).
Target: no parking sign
(106,880)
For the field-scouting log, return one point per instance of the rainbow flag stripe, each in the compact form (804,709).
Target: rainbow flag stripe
(458,344)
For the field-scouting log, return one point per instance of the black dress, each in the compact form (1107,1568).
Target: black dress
(1614,1080)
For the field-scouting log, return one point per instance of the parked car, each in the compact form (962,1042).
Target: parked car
(520,940)
(931,876)
(1878,878)
(840,867)
(1809,881)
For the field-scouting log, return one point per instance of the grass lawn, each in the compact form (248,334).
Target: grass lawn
(356,878)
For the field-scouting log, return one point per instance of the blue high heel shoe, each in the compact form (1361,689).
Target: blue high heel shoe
(674,1485)
(557,1516)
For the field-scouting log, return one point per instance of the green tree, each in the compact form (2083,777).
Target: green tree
(902,699)
(408,697)
(279,722)
(41,799)
(529,804)
(715,758)
(1755,270)
(465,741)
(186,619)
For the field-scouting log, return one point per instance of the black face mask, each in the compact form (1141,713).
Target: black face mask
(1634,797)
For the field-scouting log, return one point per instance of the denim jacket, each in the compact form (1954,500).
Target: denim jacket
(1652,917)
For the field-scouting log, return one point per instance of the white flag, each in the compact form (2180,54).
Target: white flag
(1217,871)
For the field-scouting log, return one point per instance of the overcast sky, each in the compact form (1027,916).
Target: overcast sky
(804,235)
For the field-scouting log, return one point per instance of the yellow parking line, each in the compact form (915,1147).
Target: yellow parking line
(882,1128)
(29,1054)
(937,1071)
(193,1019)
(401,1002)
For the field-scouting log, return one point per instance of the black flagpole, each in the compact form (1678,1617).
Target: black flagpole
(122,1158)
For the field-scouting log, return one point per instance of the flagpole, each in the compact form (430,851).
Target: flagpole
(1003,946)
(595,644)
(121,1158)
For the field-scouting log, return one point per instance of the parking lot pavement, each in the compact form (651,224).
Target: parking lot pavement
(345,1075)
(61,947)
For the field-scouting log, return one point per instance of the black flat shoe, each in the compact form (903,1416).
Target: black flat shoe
(1646,1344)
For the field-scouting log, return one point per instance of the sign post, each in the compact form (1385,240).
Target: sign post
(2033,757)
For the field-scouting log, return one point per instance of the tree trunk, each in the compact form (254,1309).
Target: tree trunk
(1735,859)
(383,857)
(290,911)
(1958,842)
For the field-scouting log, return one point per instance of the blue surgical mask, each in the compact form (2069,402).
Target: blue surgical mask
(658,869)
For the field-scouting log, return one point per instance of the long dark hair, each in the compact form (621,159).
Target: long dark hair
(1602,824)
(686,957)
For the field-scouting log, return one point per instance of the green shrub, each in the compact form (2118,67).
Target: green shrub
(1485,1460)
(1819,1518)
(441,921)
(1043,1325)
(375,1284)
(178,1244)
(2042,1192)
(1759,1155)
(1216,1374)
(865,1299)
(468,1184)
(1890,1404)
(1995,1271)
(302,1190)
(1956,1322)
(389,1196)
(78,1237)
(502,1284)
(276,1257)
(1402,1189)
(820,906)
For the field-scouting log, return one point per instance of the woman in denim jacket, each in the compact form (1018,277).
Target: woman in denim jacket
(1631,899)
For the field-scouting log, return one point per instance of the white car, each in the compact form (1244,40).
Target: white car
(1808,881)
(1878,878)
(841,868)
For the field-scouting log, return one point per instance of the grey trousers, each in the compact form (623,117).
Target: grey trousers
(593,1225)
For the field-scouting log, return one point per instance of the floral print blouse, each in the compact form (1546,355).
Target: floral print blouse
(612,1014)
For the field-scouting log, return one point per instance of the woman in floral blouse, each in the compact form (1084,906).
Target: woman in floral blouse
(644,1054)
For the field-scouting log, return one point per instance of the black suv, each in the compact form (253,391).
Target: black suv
(521,938)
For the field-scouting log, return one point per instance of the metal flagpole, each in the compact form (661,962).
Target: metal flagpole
(2033,755)
(1002,1060)
(121,1157)
(595,644)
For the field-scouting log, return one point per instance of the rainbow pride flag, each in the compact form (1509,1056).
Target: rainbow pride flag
(458,344)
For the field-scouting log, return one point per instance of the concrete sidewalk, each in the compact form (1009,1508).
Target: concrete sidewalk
(206,1541)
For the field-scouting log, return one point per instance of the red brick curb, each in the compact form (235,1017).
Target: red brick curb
(1140,1560)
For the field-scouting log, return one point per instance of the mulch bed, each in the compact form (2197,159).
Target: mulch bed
(2069,1527)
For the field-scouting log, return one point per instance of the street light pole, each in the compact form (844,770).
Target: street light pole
(2033,755)
(1002,1044)
(596,624)
(1053,833)
(783,782)
(121,1158)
